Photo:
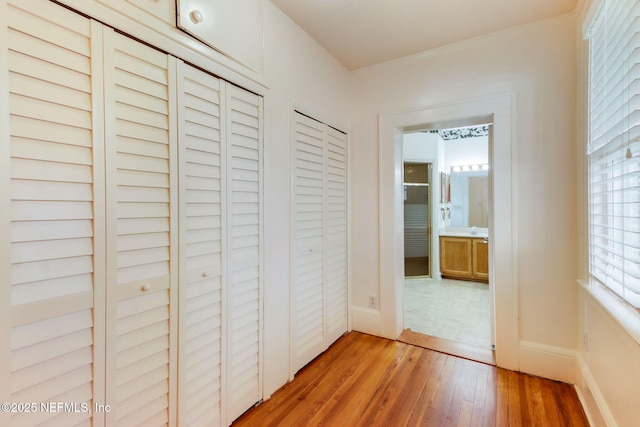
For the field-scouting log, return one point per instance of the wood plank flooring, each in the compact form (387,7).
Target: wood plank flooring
(447,346)
(363,380)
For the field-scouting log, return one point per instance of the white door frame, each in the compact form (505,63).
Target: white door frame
(500,110)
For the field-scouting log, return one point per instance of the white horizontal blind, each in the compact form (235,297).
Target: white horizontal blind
(201,172)
(614,148)
(52,201)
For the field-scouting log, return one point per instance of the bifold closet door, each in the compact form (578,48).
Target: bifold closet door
(56,230)
(308,236)
(319,288)
(220,243)
(142,231)
(243,210)
(336,256)
(201,152)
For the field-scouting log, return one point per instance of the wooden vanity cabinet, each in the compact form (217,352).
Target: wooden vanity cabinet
(464,258)
(480,259)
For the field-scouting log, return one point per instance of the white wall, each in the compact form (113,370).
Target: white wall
(536,64)
(302,75)
(420,146)
(466,151)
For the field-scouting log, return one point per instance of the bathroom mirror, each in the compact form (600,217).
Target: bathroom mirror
(469,198)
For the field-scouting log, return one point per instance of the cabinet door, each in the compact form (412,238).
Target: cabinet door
(56,233)
(141,230)
(201,259)
(455,259)
(243,248)
(231,27)
(308,237)
(480,264)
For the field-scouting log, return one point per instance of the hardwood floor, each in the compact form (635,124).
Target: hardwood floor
(363,380)
(453,348)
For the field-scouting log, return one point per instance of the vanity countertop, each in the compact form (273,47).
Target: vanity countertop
(478,232)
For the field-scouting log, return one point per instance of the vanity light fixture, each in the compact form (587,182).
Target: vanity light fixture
(470,168)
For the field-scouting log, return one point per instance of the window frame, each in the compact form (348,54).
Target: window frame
(612,151)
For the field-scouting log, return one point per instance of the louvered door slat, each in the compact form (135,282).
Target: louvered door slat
(53,227)
(140,250)
(244,378)
(336,235)
(308,235)
(201,248)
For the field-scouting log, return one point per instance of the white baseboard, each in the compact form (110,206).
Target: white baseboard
(366,320)
(548,361)
(593,402)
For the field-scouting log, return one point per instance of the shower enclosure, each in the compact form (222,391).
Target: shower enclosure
(417,219)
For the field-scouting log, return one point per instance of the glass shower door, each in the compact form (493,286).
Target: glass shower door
(417,219)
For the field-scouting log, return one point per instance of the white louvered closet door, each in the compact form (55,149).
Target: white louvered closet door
(201,234)
(319,284)
(141,233)
(335,234)
(243,246)
(308,236)
(55,236)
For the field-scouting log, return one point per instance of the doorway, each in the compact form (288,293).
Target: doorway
(501,110)
(451,304)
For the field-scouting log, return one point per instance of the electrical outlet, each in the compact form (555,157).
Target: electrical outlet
(372,302)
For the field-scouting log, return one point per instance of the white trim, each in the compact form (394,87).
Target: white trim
(590,388)
(174,264)
(501,108)
(5,218)
(623,316)
(181,231)
(224,259)
(588,9)
(366,320)
(110,208)
(548,361)
(292,244)
(99,222)
(261,252)
(349,219)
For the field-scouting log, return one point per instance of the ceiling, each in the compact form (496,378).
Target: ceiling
(360,33)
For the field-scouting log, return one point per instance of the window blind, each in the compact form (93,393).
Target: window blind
(614,148)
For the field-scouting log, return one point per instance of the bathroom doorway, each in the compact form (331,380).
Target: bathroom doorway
(448,303)
(393,126)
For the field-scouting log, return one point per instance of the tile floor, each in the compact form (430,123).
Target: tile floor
(450,309)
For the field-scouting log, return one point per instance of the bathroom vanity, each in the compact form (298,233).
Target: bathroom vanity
(464,254)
